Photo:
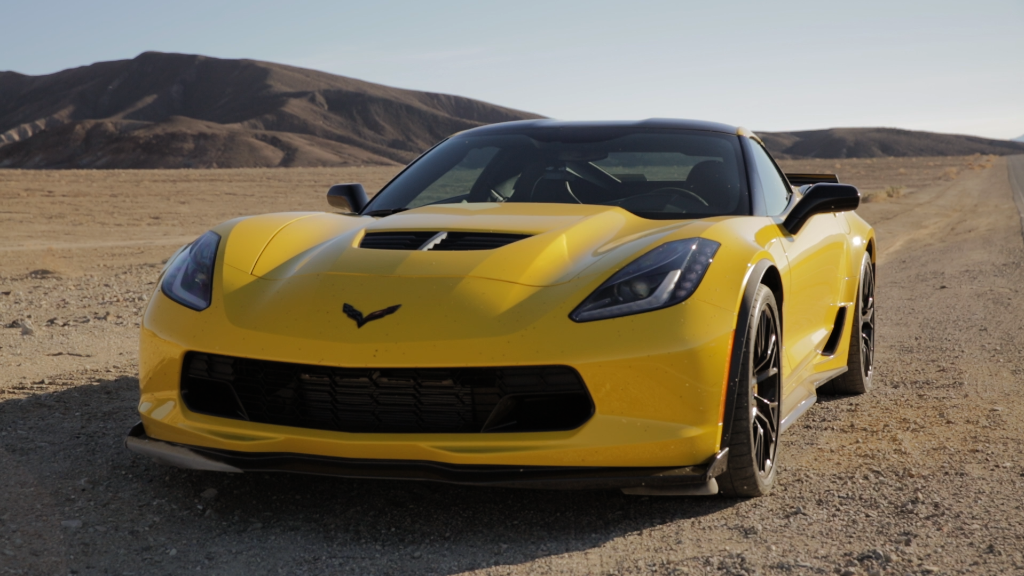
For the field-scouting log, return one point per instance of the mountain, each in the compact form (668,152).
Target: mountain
(1019,138)
(185,111)
(878,142)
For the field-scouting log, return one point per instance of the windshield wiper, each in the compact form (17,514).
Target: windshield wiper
(387,212)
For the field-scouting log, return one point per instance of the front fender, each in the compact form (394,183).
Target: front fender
(244,239)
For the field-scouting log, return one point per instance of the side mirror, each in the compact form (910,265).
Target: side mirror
(822,198)
(348,197)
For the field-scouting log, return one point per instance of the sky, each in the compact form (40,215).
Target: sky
(936,65)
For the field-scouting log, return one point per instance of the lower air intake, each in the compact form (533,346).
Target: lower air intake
(387,400)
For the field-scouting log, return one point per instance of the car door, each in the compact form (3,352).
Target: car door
(816,256)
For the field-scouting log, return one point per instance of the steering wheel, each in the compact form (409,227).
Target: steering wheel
(669,193)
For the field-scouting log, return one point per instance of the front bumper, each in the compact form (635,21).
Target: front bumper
(656,379)
(549,477)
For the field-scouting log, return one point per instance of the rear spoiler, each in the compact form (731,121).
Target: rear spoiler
(804,179)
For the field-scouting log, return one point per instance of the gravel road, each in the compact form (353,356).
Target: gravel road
(921,476)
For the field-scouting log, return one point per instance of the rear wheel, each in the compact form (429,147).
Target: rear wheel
(754,440)
(861,364)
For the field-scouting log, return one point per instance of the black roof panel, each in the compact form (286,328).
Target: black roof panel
(521,126)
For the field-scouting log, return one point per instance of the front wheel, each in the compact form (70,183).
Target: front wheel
(754,440)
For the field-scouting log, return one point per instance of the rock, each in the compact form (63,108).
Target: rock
(26,328)
(72,524)
(209,494)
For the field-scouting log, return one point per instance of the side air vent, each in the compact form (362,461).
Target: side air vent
(446,241)
(837,332)
(395,240)
(476,241)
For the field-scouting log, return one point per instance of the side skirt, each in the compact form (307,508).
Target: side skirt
(822,377)
(805,404)
(796,413)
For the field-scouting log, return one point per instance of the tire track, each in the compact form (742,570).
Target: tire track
(1015,172)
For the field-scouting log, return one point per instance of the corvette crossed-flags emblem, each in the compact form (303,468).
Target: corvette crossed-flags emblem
(356,315)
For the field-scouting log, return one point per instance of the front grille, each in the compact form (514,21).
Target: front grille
(449,241)
(387,400)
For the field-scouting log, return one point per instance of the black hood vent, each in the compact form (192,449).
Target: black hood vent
(476,241)
(444,241)
(396,240)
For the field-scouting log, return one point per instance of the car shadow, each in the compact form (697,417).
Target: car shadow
(64,463)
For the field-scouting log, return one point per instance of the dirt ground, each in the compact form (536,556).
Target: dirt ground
(921,476)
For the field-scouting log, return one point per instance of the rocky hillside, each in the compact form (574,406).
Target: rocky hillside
(881,142)
(184,111)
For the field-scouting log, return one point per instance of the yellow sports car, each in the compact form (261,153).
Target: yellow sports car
(636,305)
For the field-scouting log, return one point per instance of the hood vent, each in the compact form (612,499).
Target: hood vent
(444,241)
(396,240)
(476,241)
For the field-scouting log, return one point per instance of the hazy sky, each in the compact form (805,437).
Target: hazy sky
(926,65)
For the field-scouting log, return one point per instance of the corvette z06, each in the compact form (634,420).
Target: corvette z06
(643,306)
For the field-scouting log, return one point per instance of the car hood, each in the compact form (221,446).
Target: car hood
(564,241)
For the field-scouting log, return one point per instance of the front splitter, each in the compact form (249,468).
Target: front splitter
(545,477)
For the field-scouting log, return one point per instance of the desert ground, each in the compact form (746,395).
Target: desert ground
(920,476)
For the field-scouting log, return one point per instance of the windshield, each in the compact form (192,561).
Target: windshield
(653,174)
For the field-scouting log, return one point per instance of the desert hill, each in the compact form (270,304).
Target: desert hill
(880,142)
(185,111)
(175,110)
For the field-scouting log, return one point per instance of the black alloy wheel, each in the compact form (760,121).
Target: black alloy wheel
(867,322)
(754,441)
(861,363)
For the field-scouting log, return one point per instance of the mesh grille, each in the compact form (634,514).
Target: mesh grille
(386,400)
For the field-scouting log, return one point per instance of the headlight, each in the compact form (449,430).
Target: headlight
(189,277)
(660,278)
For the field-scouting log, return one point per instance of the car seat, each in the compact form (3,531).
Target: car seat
(717,185)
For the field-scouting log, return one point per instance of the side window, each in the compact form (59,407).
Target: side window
(776,191)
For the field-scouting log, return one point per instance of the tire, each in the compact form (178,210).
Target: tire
(861,363)
(754,439)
